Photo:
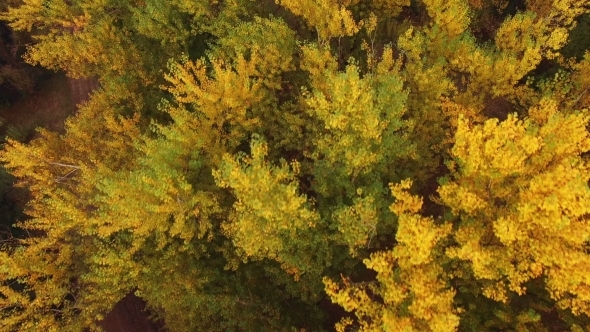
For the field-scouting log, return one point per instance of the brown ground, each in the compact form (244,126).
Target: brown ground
(80,89)
(48,107)
(129,315)
(55,100)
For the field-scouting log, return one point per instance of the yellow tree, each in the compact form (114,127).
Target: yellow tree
(190,193)
(412,291)
(519,193)
(329,18)
(48,265)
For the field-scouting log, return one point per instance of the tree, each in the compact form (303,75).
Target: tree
(412,286)
(519,191)
(240,157)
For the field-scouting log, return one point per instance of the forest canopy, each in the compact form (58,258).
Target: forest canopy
(309,165)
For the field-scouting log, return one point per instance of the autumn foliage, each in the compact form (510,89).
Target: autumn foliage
(423,165)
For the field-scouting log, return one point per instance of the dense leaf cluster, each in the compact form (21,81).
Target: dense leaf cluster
(421,164)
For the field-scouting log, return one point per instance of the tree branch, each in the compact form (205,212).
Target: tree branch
(63,165)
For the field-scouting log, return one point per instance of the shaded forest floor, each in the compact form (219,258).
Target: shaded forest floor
(48,107)
(129,315)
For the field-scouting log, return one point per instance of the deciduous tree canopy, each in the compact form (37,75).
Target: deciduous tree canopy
(422,164)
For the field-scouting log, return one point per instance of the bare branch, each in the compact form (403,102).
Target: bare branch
(63,165)
(65,176)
